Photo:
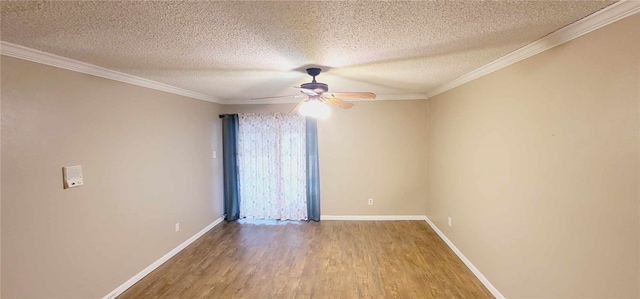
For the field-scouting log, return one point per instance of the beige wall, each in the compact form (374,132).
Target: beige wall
(147,162)
(538,165)
(373,150)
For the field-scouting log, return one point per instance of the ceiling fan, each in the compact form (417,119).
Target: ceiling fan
(318,96)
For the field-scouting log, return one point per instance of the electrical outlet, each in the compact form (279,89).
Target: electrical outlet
(370,201)
(215,154)
(449,221)
(177,227)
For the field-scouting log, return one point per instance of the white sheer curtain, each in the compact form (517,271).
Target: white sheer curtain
(272,166)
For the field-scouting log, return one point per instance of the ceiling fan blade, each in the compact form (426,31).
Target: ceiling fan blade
(308,92)
(295,109)
(354,95)
(337,102)
(277,97)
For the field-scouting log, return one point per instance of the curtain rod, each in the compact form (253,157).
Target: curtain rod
(226,115)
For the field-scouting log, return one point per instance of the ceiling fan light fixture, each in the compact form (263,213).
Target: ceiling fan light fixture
(315,109)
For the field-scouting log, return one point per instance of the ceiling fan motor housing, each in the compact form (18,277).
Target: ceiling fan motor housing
(317,87)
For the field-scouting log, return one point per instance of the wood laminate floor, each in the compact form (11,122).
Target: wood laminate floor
(329,259)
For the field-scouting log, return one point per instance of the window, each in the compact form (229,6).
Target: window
(272,166)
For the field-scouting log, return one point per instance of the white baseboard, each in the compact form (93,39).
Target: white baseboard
(372,217)
(119,290)
(466,261)
(123,287)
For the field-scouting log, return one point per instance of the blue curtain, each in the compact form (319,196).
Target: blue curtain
(313,171)
(230,166)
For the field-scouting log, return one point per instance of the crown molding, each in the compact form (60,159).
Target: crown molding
(21,52)
(604,17)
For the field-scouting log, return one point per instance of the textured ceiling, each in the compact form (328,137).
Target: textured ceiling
(239,50)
